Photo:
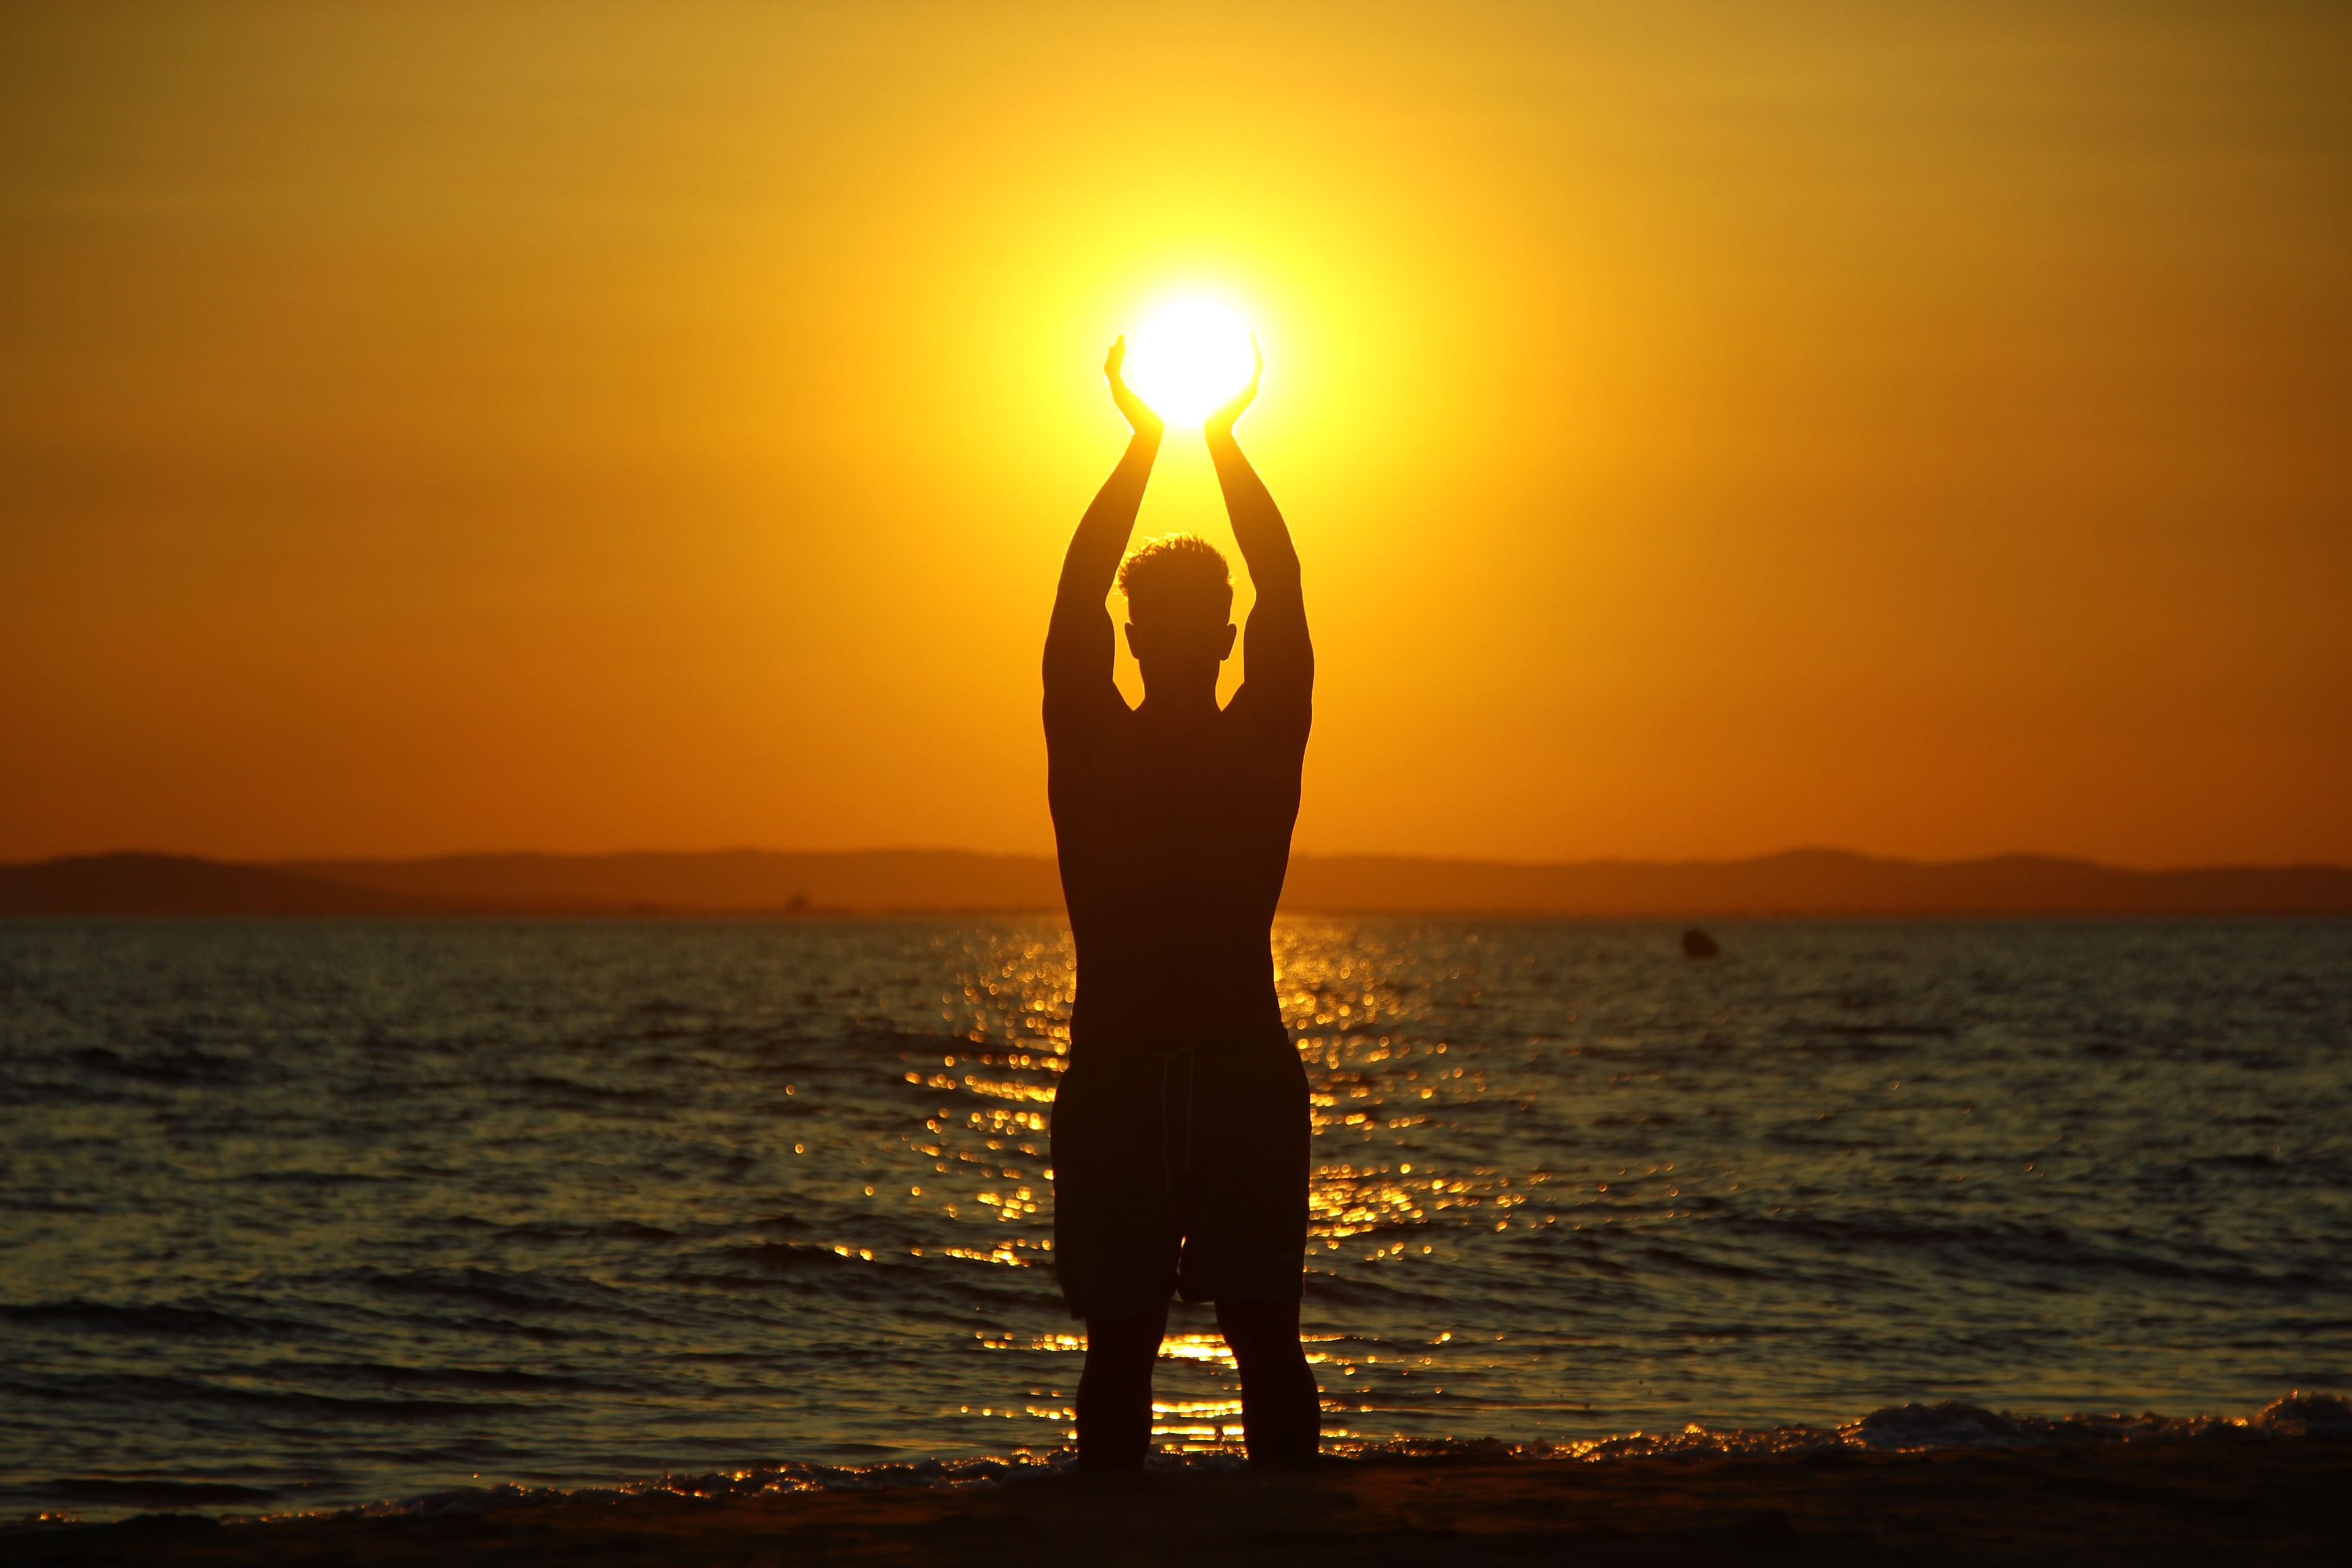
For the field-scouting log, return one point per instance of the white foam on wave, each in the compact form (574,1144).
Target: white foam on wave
(1953,1425)
(1896,1429)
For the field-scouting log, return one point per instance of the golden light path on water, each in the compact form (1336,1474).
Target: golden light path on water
(1345,1014)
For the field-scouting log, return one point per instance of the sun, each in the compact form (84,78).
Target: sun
(1187,358)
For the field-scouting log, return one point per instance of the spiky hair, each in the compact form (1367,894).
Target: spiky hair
(1180,577)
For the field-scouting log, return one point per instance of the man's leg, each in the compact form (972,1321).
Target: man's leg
(1282,1411)
(1115,1391)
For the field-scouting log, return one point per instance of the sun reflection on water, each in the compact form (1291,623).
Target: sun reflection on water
(1379,1082)
(1397,1100)
(1435,1145)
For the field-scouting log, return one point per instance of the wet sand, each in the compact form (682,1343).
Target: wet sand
(2233,1499)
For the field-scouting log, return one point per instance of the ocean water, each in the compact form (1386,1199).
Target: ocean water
(296,1214)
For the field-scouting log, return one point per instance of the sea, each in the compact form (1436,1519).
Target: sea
(301,1215)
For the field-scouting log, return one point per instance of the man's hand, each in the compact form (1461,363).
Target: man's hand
(1138,413)
(1220,421)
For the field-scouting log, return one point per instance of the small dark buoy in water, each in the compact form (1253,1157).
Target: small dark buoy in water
(1696,943)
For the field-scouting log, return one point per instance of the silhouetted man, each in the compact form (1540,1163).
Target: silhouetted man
(1180,1128)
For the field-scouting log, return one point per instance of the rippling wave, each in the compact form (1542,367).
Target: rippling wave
(304,1214)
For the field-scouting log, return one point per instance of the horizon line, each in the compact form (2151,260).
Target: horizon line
(1793,851)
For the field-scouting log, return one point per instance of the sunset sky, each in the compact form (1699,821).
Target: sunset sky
(1707,429)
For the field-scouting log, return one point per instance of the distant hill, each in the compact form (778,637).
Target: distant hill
(139,884)
(719,881)
(1805,882)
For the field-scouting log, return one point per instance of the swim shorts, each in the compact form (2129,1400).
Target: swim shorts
(1181,1171)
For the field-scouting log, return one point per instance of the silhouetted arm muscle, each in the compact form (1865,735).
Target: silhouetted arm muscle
(1279,659)
(1080,645)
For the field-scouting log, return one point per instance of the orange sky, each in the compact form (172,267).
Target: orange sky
(1709,429)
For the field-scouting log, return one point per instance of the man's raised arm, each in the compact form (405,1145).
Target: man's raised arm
(1279,660)
(1079,644)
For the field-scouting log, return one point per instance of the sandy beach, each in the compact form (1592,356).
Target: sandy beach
(2229,1499)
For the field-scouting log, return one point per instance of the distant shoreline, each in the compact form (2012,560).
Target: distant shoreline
(767,885)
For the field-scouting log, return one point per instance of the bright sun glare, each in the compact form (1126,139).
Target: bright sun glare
(1191,356)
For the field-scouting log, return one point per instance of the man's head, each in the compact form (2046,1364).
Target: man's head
(1179,598)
